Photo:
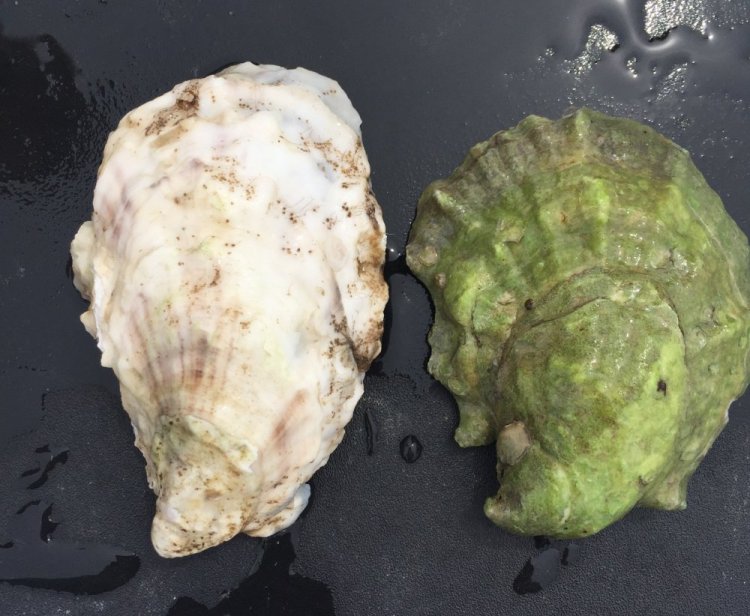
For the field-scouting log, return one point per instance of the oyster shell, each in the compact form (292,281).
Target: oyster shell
(234,269)
(591,316)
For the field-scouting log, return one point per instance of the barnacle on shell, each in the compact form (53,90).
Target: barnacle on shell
(234,268)
(591,316)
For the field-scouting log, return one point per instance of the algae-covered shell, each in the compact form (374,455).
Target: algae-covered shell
(591,316)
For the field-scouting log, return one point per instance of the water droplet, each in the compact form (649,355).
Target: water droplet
(371,433)
(538,572)
(48,525)
(395,263)
(571,554)
(411,448)
(48,460)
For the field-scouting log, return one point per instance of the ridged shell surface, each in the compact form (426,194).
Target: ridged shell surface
(591,316)
(234,268)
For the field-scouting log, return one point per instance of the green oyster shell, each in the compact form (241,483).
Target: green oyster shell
(591,316)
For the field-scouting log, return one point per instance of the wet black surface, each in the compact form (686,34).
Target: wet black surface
(33,558)
(542,570)
(538,572)
(38,89)
(717,57)
(269,589)
(380,536)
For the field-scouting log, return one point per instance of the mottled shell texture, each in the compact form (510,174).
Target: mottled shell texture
(591,316)
(234,267)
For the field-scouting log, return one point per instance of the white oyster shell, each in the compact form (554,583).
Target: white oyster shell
(234,268)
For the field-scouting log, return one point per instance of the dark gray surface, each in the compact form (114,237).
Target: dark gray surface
(429,79)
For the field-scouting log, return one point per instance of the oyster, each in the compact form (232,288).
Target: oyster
(234,269)
(591,316)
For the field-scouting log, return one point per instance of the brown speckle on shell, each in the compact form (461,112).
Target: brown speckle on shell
(184,338)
